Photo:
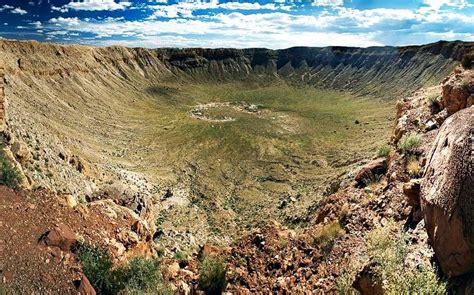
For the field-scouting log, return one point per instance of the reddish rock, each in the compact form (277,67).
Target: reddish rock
(61,236)
(366,282)
(411,190)
(208,250)
(85,287)
(447,198)
(370,171)
(458,92)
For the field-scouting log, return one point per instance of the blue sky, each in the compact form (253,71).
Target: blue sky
(223,23)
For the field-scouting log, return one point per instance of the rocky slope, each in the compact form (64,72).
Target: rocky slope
(48,87)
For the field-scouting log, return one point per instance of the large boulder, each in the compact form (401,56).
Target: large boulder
(60,236)
(458,92)
(447,198)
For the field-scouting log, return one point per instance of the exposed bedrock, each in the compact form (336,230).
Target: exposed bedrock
(447,198)
(384,71)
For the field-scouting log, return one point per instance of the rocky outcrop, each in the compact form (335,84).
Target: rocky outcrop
(458,91)
(61,236)
(2,98)
(447,200)
(371,172)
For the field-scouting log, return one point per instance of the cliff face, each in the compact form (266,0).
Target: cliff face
(382,71)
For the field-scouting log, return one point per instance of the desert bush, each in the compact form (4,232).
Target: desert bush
(345,280)
(324,236)
(138,276)
(9,176)
(433,103)
(212,273)
(97,267)
(468,61)
(371,180)
(387,247)
(409,143)
(6,290)
(383,150)
(413,167)
(465,85)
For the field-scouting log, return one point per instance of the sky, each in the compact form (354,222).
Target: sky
(239,24)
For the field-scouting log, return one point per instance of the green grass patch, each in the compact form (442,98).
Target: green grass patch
(325,235)
(409,143)
(383,150)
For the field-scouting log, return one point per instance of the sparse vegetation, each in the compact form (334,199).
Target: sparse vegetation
(468,61)
(433,103)
(465,85)
(383,150)
(6,290)
(97,267)
(182,257)
(387,248)
(345,280)
(212,275)
(413,167)
(371,180)
(409,143)
(9,176)
(325,235)
(139,275)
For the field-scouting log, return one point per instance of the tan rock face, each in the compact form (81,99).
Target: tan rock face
(458,92)
(447,198)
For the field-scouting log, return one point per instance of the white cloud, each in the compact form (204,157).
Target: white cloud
(65,21)
(37,24)
(437,4)
(328,3)
(19,11)
(176,25)
(59,9)
(6,7)
(94,5)
(186,9)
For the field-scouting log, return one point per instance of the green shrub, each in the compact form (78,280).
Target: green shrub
(182,257)
(433,103)
(9,176)
(97,267)
(409,143)
(387,247)
(212,275)
(468,61)
(138,276)
(383,150)
(326,234)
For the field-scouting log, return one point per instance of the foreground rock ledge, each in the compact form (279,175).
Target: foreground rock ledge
(447,197)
